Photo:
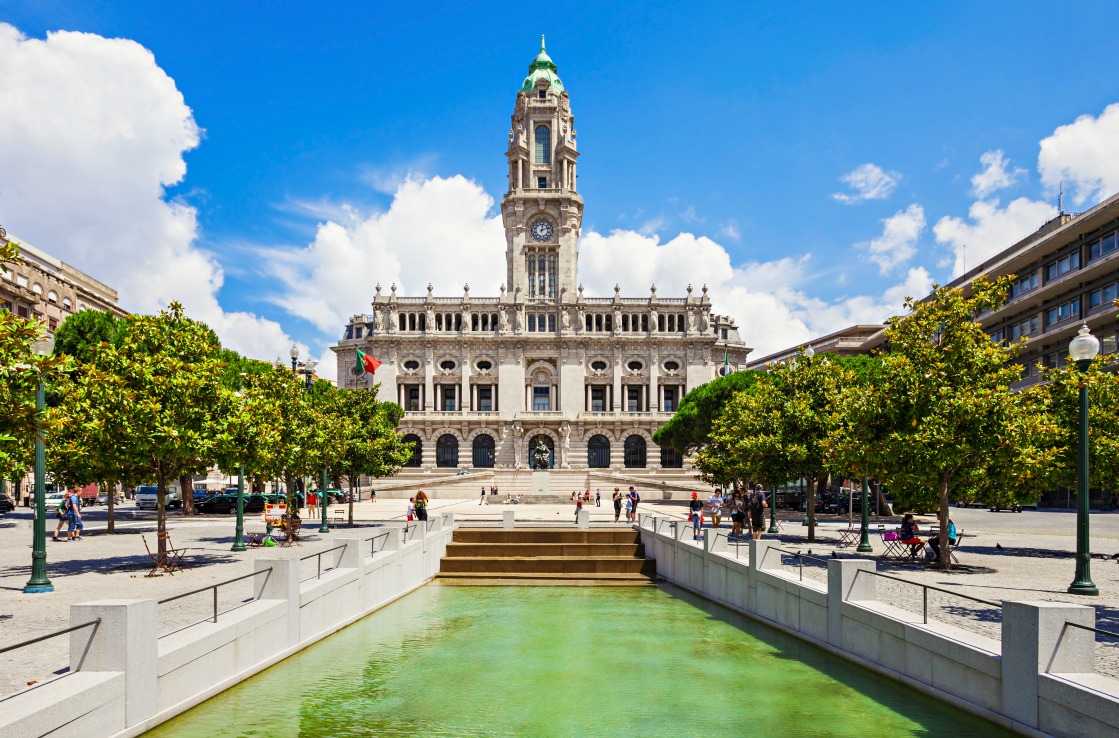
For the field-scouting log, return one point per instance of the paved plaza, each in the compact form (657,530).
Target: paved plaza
(1027,556)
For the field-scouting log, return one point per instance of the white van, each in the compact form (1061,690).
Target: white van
(147,497)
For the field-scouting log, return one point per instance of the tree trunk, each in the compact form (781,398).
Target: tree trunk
(351,500)
(18,484)
(942,514)
(186,484)
(821,485)
(110,501)
(161,513)
(883,506)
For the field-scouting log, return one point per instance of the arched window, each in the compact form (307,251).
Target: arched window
(543,145)
(483,451)
(598,452)
(417,450)
(635,452)
(547,442)
(671,458)
(446,450)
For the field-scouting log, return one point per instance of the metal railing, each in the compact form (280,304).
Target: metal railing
(373,548)
(1110,666)
(38,639)
(800,559)
(214,587)
(318,562)
(738,542)
(988,626)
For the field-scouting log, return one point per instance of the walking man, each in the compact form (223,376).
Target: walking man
(757,508)
(636,499)
(617,504)
(696,514)
(598,498)
(482,499)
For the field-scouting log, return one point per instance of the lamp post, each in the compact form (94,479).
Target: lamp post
(864,528)
(239,535)
(307,369)
(808,354)
(39,582)
(1082,349)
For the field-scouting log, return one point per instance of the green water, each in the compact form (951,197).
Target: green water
(566,661)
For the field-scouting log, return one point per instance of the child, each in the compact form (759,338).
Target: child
(411,509)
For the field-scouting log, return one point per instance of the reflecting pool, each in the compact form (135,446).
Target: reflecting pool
(567,661)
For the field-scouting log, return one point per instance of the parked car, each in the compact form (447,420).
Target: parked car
(6,504)
(54,499)
(226,503)
(200,493)
(147,497)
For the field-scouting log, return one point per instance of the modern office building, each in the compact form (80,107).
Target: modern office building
(485,379)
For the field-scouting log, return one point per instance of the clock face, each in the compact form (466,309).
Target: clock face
(541,230)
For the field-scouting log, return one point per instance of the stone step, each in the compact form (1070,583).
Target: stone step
(533,550)
(548,565)
(546,535)
(543,580)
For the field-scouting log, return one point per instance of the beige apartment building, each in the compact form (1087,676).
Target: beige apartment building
(485,379)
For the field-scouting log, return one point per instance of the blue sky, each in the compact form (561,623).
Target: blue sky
(280,159)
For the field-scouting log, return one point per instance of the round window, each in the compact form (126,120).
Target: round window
(447,365)
(671,366)
(411,365)
(484,366)
(635,366)
(598,366)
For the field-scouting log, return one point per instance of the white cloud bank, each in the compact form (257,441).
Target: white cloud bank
(898,242)
(92,132)
(868,182)
(1084,155)
(997,174)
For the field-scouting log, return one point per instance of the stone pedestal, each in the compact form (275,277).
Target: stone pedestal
(583,519)
(507,520)
(540,484)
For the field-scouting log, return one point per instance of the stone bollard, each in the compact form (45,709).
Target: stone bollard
(127,641)
(846,584)
(508,519)
(1035,641)
(352,556)
(282,583)
(395,541)
(583,519)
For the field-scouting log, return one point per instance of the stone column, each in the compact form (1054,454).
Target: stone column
(644,406)
(587,407)
(127,641)
(1035,641)
(465,388)
(845,583)
(429,384)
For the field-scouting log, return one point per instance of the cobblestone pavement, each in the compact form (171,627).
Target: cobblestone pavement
(1005,556)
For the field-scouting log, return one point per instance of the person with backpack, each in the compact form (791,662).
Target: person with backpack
(757,506)
(60,513)
(617,504)
(421,505)
(636,499)
(74,516)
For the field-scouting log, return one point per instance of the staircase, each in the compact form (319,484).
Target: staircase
(541,556)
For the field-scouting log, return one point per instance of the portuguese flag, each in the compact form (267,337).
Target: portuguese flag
(365,363)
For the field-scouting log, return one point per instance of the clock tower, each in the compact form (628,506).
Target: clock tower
(542,212)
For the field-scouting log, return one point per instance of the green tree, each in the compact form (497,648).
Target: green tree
(371,445)
(689,428)
(81,335)
(940,415)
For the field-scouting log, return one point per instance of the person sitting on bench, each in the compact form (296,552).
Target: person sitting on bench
(934,542)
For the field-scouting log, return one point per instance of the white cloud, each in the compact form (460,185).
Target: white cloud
(995,175)
(438,230)
(992,229)
(898,242)
(768,299)
(1084,155)
(730,230)
(92,133)
(869,182)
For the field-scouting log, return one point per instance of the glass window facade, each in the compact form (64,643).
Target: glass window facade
(543,145)
(1064,265)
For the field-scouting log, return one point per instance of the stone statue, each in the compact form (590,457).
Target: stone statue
(691,321)
(378,321)
(653,320)
(465,318)
(566,320)
(540,456)
(430,317)
(392,319)
(504,320)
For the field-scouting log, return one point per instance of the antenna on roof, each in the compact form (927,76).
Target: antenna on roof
(1061,199)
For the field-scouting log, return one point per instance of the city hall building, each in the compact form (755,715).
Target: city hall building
(484,380)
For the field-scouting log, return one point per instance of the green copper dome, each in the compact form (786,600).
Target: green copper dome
(542,67)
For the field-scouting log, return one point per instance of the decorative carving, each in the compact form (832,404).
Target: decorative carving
(691,321)
(653,320)
(378,321)
(392,317)
(540,456)
(393,289)
(504,319)
(566,320)
(378,290)
(430,317)
(429,290)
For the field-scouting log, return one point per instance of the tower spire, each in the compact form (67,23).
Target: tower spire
(542,43)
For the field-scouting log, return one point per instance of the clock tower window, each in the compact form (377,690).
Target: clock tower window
(543,145)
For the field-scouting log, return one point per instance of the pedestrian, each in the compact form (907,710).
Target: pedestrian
(617,504)
(696,516)
(74,516)
(598,498)
(482,499)
(411,511)
(757,506)
(421,505)
(716,505)
(372,495)
(737,514)
(60,513)
(636,499)
(578,508)
(629,509)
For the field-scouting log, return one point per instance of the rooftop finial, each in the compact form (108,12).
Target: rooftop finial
(542,43)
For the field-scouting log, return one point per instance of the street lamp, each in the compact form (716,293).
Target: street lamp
(39,582)
(864,529)
(307,369)
(1082,349)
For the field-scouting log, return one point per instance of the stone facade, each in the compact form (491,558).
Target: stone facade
(49,289)
(483,380)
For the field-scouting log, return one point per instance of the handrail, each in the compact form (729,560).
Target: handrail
(318,574)
(1061,638)
(371,539)
(215,588)
(925,593)
(55,634)
(1111,633)
(800,559)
